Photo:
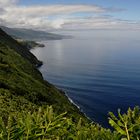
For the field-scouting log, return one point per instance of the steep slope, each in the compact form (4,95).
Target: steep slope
(28,34)
(9,41)
(22,86)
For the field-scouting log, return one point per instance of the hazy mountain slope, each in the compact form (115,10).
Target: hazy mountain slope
(29,34)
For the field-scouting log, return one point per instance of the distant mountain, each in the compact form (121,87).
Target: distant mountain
(29,34)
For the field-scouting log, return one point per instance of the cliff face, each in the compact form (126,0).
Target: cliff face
(21,84)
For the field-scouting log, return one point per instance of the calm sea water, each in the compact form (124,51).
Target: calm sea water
(99,70)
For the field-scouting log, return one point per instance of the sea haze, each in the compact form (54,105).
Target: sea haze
(98,69)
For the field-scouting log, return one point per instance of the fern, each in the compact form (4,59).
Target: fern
(44,124)
(127,125)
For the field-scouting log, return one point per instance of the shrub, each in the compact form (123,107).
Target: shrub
(127,125)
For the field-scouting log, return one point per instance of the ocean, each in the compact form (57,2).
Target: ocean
(98,69)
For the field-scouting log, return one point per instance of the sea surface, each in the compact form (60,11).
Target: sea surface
(98,69)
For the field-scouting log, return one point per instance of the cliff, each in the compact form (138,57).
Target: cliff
(21,84)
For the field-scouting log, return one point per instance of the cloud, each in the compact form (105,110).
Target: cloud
(55,9)
(7,2)
(2,11)
(38,16)
(99,22)
(60,16)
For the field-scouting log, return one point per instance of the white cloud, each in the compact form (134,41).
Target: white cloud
(54,9)
(38,16)
(59,16)
(7,2)
(99,22)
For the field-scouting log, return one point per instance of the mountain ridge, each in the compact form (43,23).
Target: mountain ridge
(30,34)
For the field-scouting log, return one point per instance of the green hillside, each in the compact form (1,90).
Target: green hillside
(33,109)
(19,77)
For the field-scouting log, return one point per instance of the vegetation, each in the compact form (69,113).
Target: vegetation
(127,125)
(21,78)
(33,109)
(44,124)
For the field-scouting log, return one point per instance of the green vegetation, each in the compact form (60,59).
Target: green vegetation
(44,124)
(33,109)
(19,75)
(8,41)
(127,125)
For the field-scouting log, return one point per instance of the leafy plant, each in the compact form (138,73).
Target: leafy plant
(127,125)
(43,124)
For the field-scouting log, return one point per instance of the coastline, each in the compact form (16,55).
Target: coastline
(27,84)
(78,107)
(61,90)
(75,104)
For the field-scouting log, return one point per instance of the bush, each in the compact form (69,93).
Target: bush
(44,124)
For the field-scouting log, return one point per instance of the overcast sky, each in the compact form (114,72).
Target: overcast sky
(70,14)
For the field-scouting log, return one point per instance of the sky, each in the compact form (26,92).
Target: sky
(70,14)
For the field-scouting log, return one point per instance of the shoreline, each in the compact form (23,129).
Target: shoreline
(61,90)
(78,107)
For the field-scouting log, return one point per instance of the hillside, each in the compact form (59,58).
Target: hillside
(33,109)
(23,91)
(29,34)
(20,78)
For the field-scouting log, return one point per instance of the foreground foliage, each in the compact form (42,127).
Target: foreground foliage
(44,124)
(127,125)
